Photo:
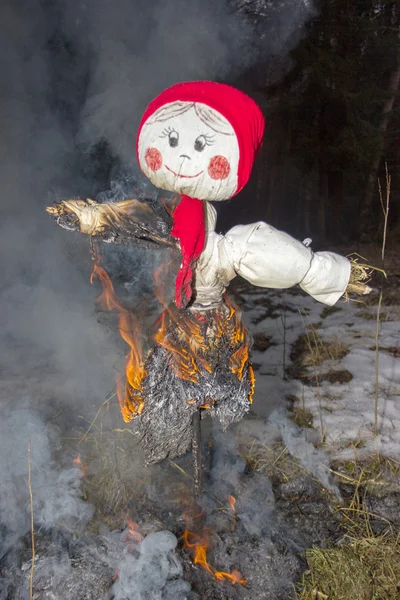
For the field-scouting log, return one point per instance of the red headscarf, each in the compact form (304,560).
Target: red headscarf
(247,120)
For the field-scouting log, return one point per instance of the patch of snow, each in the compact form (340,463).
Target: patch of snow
(345,410)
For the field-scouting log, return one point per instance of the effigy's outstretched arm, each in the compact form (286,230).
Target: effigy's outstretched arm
(129,222)
(270,258)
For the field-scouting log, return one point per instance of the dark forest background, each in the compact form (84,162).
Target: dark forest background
(333,108)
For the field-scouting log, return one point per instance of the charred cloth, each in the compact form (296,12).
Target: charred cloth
(200,362)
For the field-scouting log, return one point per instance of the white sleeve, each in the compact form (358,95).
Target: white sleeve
(273,259)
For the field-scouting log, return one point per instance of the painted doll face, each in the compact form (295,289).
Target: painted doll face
(190,149)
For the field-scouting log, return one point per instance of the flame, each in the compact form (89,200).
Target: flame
(252,379)
(236,330)
(78,462)
(130,398)
(134,532)
(187,345)
(198,545)
(192,339)
(232,503)
(239,360)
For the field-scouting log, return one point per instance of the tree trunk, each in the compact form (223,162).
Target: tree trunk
(335,200)
(306,208)
(372,185)
(322,197)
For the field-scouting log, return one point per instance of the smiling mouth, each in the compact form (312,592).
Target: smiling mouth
(183,176)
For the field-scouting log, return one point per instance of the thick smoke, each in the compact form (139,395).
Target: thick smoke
(140,51)
(155,572)
(25,442)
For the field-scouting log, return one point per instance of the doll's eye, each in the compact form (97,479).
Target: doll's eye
(202,141)
(172,135)
(173,138)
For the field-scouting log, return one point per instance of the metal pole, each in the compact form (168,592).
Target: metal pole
(196,452)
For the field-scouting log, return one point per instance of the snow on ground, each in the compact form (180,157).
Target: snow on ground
(344,412)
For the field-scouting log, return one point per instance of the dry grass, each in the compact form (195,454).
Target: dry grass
(388,313)
(298,413)
(302,417)
(364,565)
(310,350)
(365,568)
(327,311)
(392,294)
(109,458)
(116,479)
(271,460)
(377,474)
(320,351)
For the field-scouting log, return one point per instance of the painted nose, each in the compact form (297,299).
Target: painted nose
(185,156)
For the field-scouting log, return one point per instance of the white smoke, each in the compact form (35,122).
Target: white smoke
(295,440)
(56,496)
(155,572)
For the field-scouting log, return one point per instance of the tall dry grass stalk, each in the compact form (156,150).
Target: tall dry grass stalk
(385,204)
(32,523)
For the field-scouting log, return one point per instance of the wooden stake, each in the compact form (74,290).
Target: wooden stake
(196,453)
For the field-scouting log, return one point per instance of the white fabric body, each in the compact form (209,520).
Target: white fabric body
(191,149)
(267,258)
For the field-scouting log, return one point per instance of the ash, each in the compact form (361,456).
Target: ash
(109,566)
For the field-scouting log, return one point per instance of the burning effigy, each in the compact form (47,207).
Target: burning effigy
(198,140)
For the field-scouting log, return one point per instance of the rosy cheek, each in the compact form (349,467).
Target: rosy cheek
(219,167)
(153,159)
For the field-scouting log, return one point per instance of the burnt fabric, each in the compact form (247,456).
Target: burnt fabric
(201,361)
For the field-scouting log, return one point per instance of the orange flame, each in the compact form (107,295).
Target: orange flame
(134,531)
(232,503)
(198,545)
(192,339)
(77,461)
(252,383)
(187,346)
(130,399)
